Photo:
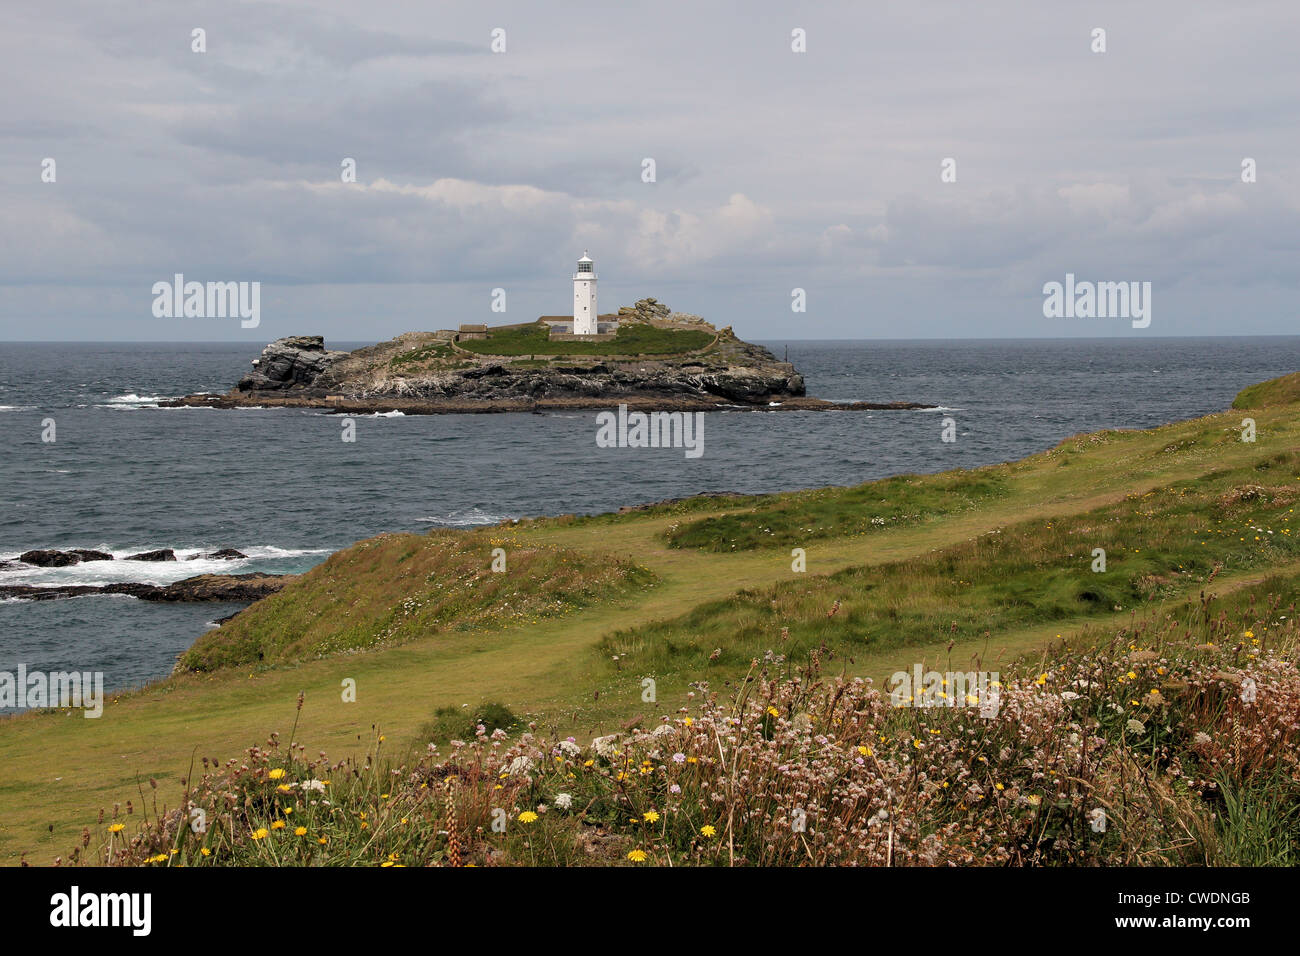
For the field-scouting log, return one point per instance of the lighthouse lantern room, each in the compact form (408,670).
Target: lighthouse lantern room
(584,297)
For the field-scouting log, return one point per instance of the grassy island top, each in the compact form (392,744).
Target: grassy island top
(632,338)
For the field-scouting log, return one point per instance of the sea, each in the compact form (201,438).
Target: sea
(123,475)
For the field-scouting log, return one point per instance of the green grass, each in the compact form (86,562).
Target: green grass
(396,588)
(438,351)
(632,338)
(1277,391)
(793,520)
(1163,544)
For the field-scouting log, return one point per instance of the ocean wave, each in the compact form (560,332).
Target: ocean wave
(466,518)
(393,414)
(121,571)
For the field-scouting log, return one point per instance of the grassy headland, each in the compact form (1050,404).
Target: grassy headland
(993,566)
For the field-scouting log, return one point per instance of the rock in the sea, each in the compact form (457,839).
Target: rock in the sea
(88,555)
(225,554)
(295,361)
(201,587)
(219,587)
(162,554)
(49,558)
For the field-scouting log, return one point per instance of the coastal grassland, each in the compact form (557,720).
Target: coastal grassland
(1143,494)
(632,338)
(1276,391)
(398,587)
(1170,740)
(1161,544)
(840,512)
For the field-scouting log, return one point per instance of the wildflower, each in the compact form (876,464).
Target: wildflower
(1135,726)
(205,852)
(260,833)
(300,831)
(277,773)
(563,801)
(277,825)
(528,817)
(708,830)
(637,856)
(650,816)
(679,758)
(322,841)
(117,828)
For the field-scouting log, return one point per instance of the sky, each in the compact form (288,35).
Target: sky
(774,170)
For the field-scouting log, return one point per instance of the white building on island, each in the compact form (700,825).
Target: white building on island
(584,297)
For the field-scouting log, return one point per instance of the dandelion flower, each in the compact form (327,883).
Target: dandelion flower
(277,773)
(300,831)
(117,828)
(260,833)
(708,830)
(650,816)
(528,817)
(637,856)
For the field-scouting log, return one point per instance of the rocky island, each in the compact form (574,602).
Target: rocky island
(645,356)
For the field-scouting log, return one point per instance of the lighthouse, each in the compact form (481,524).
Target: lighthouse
(584,297)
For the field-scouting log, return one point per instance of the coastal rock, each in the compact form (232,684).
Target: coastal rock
(49,558)
(201,587)
(225,554)
(295,361)
(162,554)
(428,373)
(88,555)
(220,587)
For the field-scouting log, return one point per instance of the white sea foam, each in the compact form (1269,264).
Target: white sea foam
(466,518)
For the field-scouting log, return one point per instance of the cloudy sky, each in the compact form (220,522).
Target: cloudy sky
(775,170)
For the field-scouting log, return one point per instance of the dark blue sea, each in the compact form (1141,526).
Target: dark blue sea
(279,485)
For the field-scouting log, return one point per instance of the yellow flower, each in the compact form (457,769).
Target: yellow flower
(528,817)
(708,830)
(637,856)
(688,722)
(277,825)
(650,816)
(277,773)
(205,852)
(322,841)
(864,751)
(300,831)
(260,833)
(117,828)
(773,711)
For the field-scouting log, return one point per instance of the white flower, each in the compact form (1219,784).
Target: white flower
(1135,726)
(569,748)
(563,800)
(520,764)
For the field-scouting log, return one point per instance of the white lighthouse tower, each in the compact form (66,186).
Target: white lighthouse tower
(584,297)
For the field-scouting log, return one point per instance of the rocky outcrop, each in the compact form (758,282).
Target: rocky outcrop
(201,587)
(288,363)
(225,554)
(49,558)
(162,554)
(432,373)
